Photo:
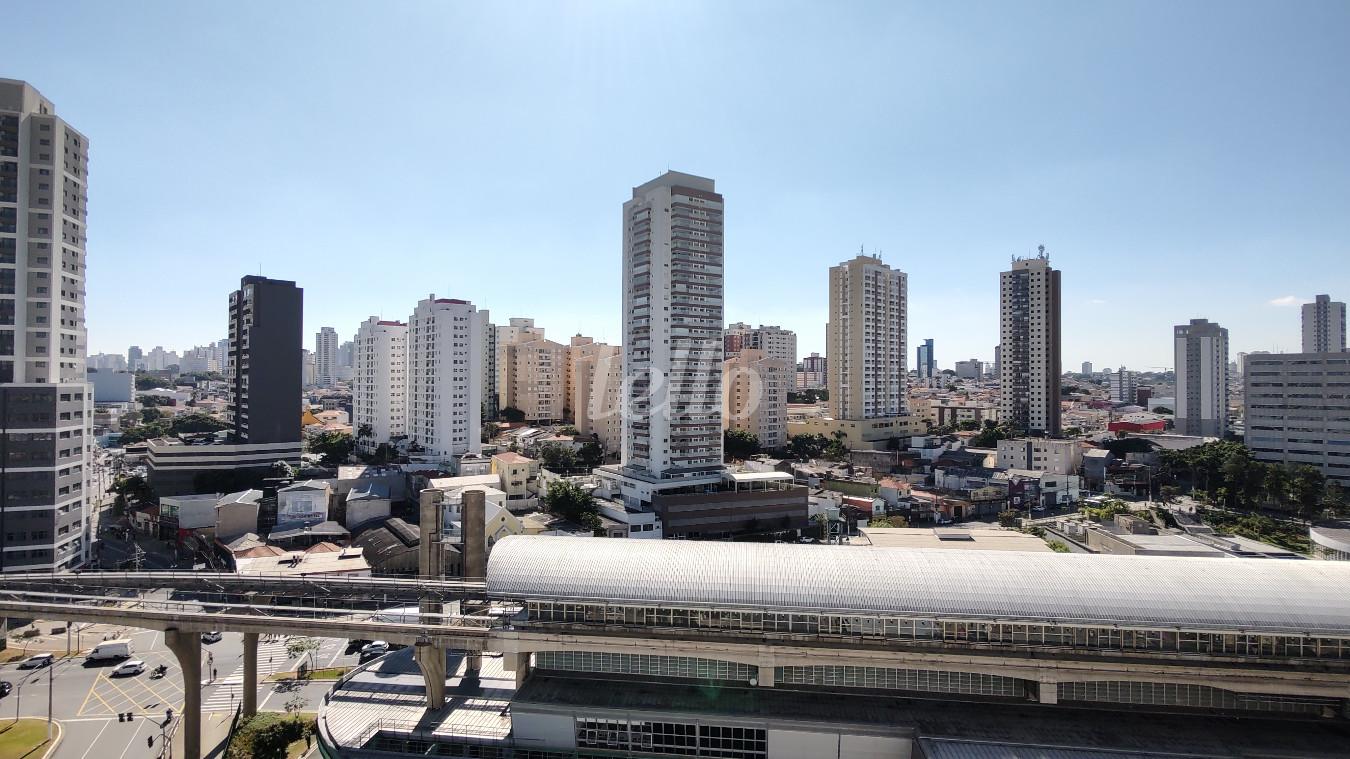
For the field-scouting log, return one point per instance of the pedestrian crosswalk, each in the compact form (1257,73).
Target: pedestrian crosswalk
(272,657)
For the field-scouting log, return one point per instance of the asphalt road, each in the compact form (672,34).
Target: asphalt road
(87,700)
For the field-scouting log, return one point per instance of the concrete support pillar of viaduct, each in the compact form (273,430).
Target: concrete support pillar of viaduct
(519,664)
(1048,690)
(765,667)
(431,660)
(250,674)
(187,649)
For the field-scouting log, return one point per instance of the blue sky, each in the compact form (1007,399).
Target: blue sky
(1177,160)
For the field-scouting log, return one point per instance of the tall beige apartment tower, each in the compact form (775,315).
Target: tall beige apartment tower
(597,397)
(1323,326)
(46,407)
(672,320)
(865,340)
(1029,363)
(380,382)
(754,395)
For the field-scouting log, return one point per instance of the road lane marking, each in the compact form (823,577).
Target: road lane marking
(94,742)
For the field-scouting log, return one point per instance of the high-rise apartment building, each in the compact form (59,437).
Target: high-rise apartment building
(754,395)
(597,397)
(811,373)
(379,382)
(1087,367)
(325,357)
(1123,386)
(925,364)
(445,380)
(1323,326)
(865,340)
(515,330)
(135,358)
(535,378)
(46,406)
(491,396)
(1201,350)
(672,316)
(264,362)
(775,341)
(1029,333)
(1297,410)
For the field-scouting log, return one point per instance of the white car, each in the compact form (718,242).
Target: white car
(375,648)
(128,668)
(37,661)
(211,637)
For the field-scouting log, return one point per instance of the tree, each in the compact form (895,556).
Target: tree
(335,447)
(365,432)
(968,425)
(879,522)
(1168,494)
(295,704)
(1162,410)
(133,489)
(557,457)
(569,501)
(513,415)
(740,444)
(301,647)
(990,435)
(591,455)
(835,448)
(806,447)
(1307,488)
(1009,518)
(1333,499)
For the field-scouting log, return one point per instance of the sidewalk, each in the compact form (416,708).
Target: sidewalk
(215,731)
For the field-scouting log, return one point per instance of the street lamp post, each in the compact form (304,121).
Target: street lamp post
(50,677)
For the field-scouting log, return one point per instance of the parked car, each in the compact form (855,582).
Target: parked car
(5,688)
(211,637)
(375,648)
(37,661)
(129,668)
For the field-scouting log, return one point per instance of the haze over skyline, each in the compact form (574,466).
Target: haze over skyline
(1176,162)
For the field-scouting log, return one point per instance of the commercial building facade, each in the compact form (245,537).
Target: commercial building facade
(925,364)
(1298,410)
(46,406)
(1029,360)
(1201,352)
(380,382)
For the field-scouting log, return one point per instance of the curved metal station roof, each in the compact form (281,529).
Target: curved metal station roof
(1138,591)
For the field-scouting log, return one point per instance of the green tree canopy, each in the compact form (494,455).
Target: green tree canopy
(335,447)
(739,444)
(557,457)
(513,415)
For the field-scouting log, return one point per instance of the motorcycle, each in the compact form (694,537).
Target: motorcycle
(158,672)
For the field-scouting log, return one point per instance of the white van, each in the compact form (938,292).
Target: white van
(110,649)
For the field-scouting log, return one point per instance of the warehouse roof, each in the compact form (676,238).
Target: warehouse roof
(1140,591)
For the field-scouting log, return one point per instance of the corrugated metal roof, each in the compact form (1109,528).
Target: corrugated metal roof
(1183,592)
(958,749)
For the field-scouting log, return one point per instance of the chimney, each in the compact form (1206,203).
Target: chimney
(474,531)
(430,559)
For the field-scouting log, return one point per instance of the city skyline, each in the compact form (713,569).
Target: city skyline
(1168,197)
